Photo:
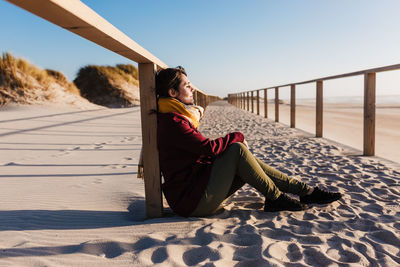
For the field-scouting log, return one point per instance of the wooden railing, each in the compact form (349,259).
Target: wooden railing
(78,18)
(243,100)
(202,99)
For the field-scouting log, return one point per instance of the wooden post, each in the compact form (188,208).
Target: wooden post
(248,101)
(277,104)
(148,102)
(369,113)
(258,102)
(265,103)
(292,106)
(252,102)
(195,97)
(319,110)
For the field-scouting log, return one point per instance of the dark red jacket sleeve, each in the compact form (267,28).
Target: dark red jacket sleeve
(193,141)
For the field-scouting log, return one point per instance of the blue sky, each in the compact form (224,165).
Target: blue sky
(229,46)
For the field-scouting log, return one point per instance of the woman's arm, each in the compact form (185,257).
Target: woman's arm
(192,140)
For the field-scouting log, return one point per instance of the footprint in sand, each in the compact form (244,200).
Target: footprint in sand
(98,181)
(97,147)
(197,255)
(64,152)
(294,252)
(116,166)
(283,251)
(344,256)
(245,254)
(314,257)
(127,139)
(159,255)
(247,240)
(106,249)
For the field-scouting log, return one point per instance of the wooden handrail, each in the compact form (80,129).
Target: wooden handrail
(76,17)
(356,73)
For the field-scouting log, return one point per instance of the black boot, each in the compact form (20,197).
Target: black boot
(319,196)
(283,202)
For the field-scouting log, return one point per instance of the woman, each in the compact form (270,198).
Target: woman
(200,173)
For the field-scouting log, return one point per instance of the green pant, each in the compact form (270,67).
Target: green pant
(237,166)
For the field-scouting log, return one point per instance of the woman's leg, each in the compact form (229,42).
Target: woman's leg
(230,171)
(284,182)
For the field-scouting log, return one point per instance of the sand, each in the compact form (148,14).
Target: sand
(343,123)
(69,196)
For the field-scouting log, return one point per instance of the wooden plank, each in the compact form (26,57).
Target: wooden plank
(195,97)
(293,106)
(152,179)
(76,17)
(265,104)
(355,73)
(258,102)
(236,99)
(277,104)
(252,102)
(248,101)
(369,113)
(319,110)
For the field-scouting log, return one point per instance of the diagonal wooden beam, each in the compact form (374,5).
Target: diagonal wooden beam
(76,17)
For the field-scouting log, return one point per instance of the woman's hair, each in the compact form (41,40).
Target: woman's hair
(167,79)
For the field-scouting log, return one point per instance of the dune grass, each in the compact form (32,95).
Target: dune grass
(127,72)
(21,80)
(129,69)
(108,85)
(62,80)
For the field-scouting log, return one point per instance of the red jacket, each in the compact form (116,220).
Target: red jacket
(186,158)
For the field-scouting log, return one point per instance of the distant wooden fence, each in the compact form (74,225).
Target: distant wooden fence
(243,100)
(78,18)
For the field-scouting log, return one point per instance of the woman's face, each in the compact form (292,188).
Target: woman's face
(185,94)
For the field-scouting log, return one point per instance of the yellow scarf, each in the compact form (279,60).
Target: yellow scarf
(166,105)
(191,112)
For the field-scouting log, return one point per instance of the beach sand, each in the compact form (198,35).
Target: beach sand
(69,196)
(343,123)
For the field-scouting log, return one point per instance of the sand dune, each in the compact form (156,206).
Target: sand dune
(69,196)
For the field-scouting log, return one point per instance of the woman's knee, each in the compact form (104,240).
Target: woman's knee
(238,147)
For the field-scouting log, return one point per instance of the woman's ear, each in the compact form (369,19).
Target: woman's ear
(172,92)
